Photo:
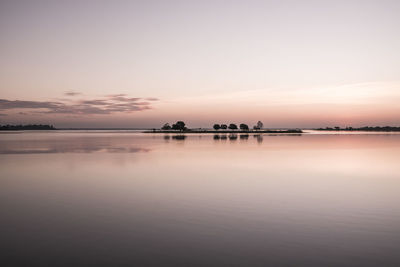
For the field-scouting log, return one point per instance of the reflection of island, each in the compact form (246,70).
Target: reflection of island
(234,137)
(59,144)
(175,137)
(56,150)
(26,127)
(180,127)
(364,129)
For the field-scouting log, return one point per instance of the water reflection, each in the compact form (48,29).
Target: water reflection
(179,137)
(314,200)
(244,136)
(231,137)
(75,150)
(72,144)
(259,138)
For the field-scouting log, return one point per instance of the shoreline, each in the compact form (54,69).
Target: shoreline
(294,131)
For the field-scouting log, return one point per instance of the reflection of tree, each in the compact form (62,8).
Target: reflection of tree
(233,137)
(244,136)
(259,138)
(179,137)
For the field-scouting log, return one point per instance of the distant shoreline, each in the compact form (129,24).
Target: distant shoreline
(362,129)
(27,127)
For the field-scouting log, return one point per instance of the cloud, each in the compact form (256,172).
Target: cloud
(151,99)
(72,93)
(110,104)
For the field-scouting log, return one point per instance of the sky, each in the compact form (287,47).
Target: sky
(140,64)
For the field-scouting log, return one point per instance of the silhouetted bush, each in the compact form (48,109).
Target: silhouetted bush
(166,127)
(244,127)
(232,126)
(216,127)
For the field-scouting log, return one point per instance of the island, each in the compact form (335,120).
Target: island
(180,127)
(26,127)
(362,129)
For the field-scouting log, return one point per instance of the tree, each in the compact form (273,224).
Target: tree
(179,125)
(216,127)
(244,127)
(232,126)
(166,127)
(258,126)
(224,126)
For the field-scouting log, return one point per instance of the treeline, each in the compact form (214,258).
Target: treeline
(365,128)
(181,126)
(178,126)
(9,127)
(242,126)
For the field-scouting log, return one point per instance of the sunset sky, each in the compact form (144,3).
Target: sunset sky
(140,64)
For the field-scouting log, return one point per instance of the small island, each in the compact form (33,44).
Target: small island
(180,127)
(362,129)
(26,127)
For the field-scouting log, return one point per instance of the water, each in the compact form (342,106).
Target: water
(80,198)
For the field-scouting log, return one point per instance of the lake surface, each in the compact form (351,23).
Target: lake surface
(123,198)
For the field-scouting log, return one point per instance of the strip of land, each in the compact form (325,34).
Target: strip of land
(296,131)
(362,129)
(26,127)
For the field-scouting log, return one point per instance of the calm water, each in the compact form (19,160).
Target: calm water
(126,198)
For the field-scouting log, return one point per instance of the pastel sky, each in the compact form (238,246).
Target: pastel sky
(81,63)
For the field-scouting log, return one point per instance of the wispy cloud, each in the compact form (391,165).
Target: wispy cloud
(72,93)
(151,99)
(107,105)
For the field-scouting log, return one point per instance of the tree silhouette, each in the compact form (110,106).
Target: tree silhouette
(258,126)
(232,126)
(179,125)
(166,127)
(244,127)
(224,126)
(216,127)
